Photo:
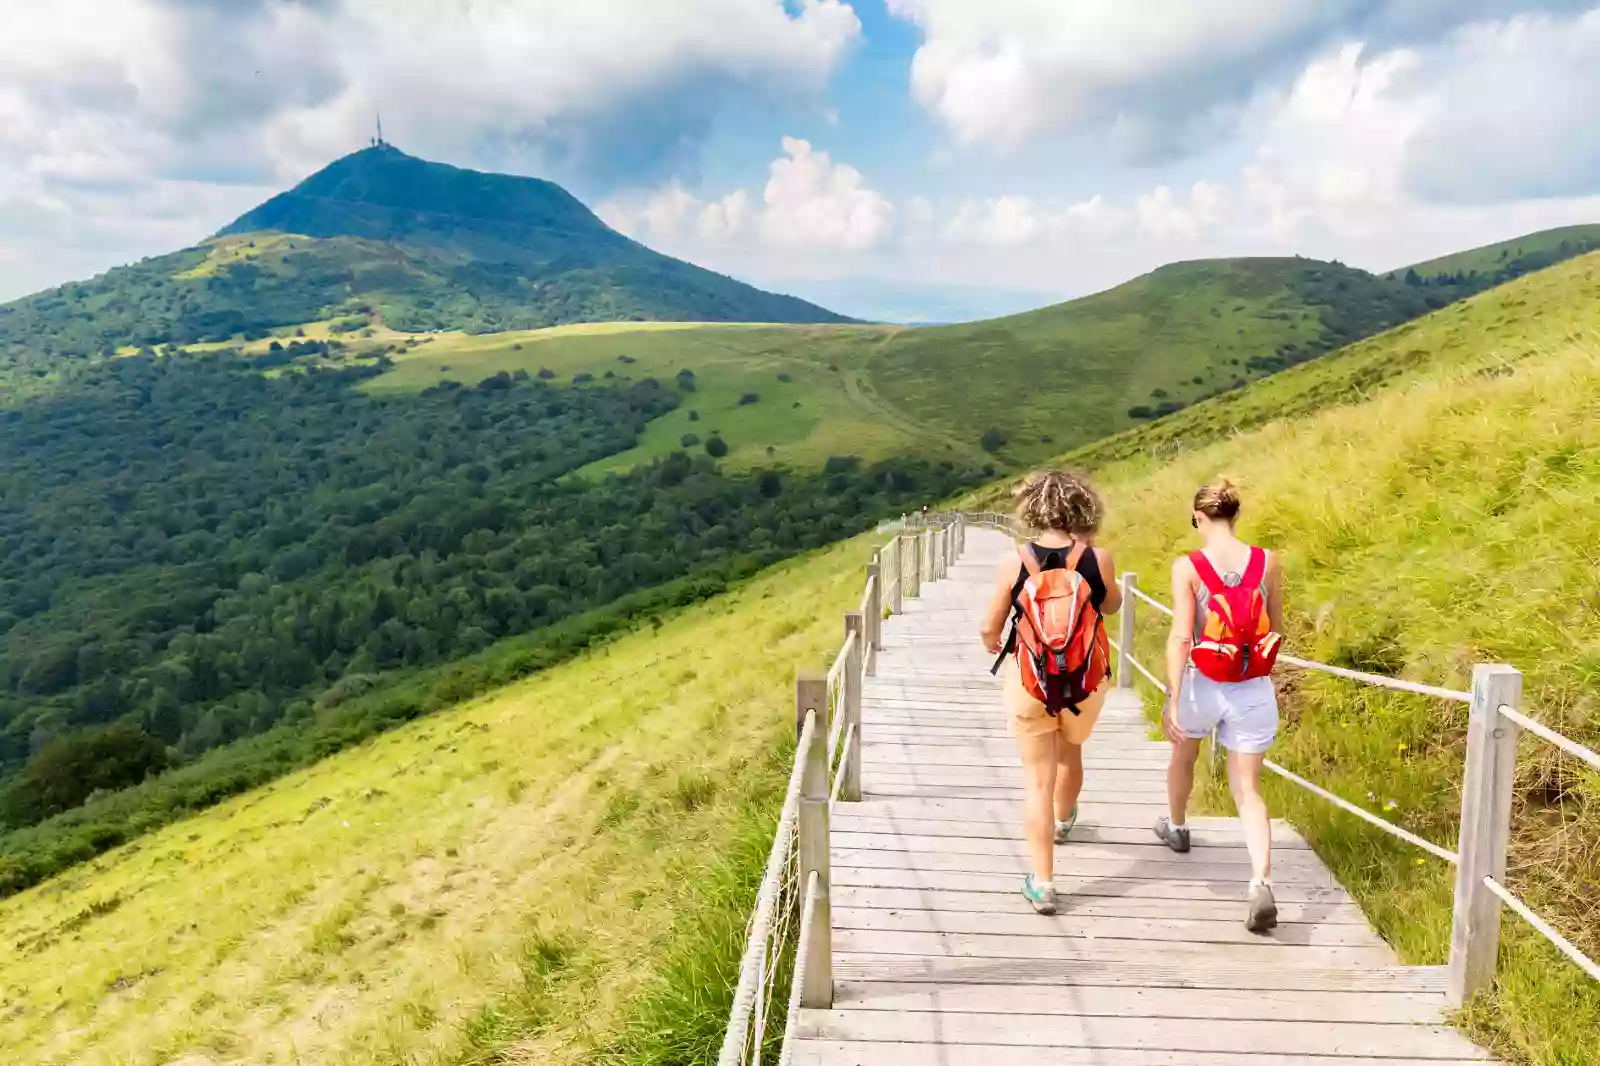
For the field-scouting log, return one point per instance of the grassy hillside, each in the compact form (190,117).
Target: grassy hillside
(1564,241)
(1447,516)
(1077,371)
(534,876)
(1062,375)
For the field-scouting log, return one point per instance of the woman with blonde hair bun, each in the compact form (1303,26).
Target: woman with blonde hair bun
(1060,578)
(1227,601)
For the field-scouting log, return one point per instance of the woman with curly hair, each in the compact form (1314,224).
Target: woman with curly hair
(1064,511)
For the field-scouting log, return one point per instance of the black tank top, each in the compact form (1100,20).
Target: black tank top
(1088,567)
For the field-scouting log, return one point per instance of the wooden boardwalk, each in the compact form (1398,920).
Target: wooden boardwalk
(938,961)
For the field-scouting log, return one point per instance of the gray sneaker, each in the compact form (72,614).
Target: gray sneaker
(1064,829)
(1042,899)
(1263,910)
(1176,839)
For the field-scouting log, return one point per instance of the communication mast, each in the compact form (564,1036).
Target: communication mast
(378,141)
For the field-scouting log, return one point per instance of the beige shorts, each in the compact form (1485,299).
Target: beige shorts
(1030,721)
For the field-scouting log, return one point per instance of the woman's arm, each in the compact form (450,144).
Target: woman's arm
(1275,592)
(1108,574)
(1180,641)
(993,623)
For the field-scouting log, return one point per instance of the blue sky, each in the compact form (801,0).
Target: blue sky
(916,159)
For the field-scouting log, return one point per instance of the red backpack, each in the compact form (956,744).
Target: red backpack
(1062,648)
(1236,639)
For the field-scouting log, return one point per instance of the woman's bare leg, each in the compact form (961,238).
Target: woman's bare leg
(1069,777)
(1244,779)
(1180,779)
(1039,783)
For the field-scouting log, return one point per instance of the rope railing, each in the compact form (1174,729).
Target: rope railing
(1493,724)
(790,925)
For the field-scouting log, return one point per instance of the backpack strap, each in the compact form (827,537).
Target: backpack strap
(1208,573)
(1255,570)
(1029,562)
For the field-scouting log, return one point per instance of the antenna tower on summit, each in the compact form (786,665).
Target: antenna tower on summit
(378,141)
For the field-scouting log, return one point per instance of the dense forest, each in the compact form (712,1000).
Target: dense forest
(196,552)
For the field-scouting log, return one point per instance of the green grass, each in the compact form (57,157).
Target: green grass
(811,403)
(1435,493)
(558,872)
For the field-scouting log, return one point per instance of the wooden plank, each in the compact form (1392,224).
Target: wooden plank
(857,818)
(1078,884)
(1113,812)
(1200,1004)
(1186,867)
(1150,851)
(817,1052)
(1006,946)
(1111,759)
(1071,924)
(1109,964)
(1128,781)
(1228,908)
(1181,1034)
(873,786)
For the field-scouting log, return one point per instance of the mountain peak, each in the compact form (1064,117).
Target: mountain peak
(379,192)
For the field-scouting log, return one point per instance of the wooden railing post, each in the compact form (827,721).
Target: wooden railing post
(854,625)
(1485,830)
(897,594)
(811,696)
(874,618)
(1130,581)
(912,545)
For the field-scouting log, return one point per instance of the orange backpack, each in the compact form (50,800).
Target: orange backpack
(1236,639)
(1061,644)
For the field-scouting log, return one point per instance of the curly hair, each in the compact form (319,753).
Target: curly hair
(1059,499)
(1218,500)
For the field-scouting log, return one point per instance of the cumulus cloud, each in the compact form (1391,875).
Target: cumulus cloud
(138,95)
(1151,77)
(810,203)
(1513,113)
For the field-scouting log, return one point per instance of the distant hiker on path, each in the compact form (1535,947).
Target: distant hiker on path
(1055,591)
(1227,602)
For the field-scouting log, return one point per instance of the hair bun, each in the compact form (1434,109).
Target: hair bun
(1220,499)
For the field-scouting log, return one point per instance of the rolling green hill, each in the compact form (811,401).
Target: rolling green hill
(1544,248)
(418,245)
(1059,376)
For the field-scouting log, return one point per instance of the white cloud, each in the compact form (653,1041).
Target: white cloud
(1150,77)
(145,95)
(810,204)
(1515,113)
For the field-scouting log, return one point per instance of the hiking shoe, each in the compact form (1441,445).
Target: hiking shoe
(1176,839)
(1263,909)
(1042,899)
(1064,829)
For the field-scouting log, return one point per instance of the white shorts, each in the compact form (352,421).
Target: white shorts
(1244,713)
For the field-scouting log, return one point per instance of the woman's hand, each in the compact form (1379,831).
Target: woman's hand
(1169,721)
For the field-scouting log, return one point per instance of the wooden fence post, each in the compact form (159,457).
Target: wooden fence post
(912,545)
(897,594)
(874,618)
(854,625)
(1130,581)
(811,697)
(1486,794)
